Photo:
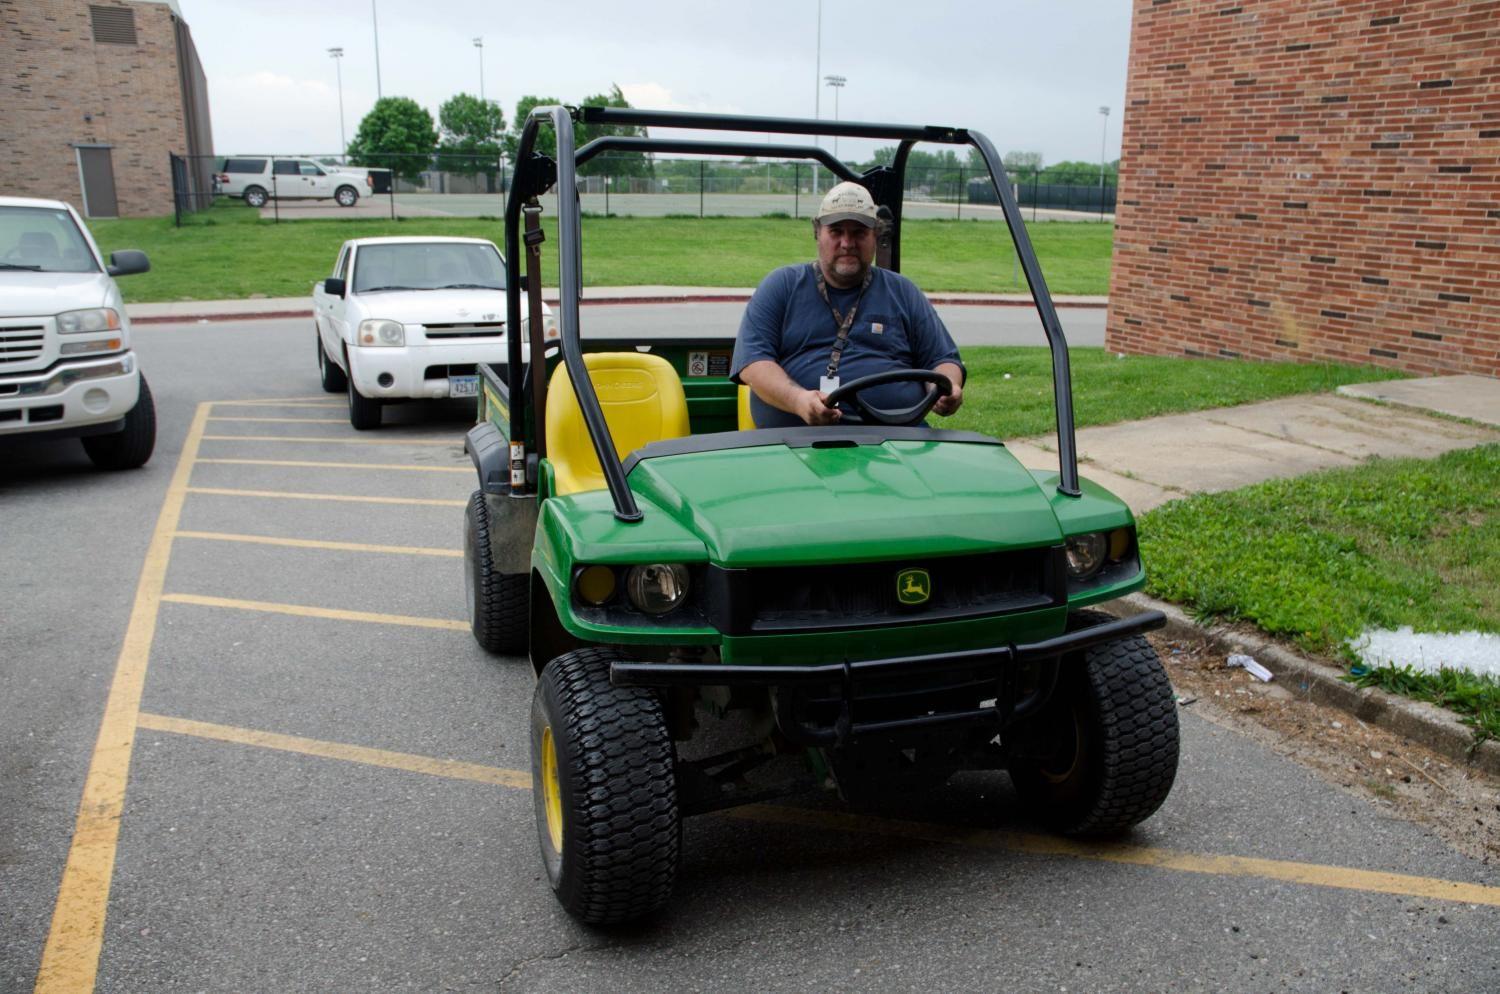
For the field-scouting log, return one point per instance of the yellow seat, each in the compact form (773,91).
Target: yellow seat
(642,400)
(747,421)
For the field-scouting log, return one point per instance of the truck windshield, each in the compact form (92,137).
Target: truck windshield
(43,239)
(428,266)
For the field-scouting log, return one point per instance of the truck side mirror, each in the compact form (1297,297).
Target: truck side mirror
(333,286)
(127,262)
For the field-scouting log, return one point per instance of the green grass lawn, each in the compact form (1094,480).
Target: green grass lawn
(1108,389)
(1320,558)
(228,252)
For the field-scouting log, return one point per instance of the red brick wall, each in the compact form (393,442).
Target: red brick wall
(1312,181)
(52,74)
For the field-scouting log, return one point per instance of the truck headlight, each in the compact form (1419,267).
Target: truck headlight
(1086,554)
(377,331)
(657,588)
(93,319)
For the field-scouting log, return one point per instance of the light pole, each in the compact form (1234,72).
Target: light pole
(837,82)
(479,44)
(375,22)
(337,54)
(1103,136)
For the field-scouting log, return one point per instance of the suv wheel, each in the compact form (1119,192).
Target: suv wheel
(346,196)
(1102,755)
(605,791)
(132,445)
(497,601)
(255,196)
(333,378)
(364,412)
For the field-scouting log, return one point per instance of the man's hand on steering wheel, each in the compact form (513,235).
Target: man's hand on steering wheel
(814,409)
(953,401)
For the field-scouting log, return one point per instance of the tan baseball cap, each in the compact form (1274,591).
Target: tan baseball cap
(847,202)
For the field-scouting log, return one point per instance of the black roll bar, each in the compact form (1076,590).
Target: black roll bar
(569,236)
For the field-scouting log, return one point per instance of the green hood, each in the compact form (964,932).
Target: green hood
(775,505)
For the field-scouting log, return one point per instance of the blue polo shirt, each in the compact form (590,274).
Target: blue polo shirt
(788,322)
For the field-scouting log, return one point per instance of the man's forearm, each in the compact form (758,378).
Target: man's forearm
(772,385)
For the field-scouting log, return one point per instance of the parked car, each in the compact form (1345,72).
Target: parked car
(409,318)
(257,179)
(66,366)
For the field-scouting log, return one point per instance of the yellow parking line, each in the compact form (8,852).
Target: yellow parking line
(1287,871)
(279,403)
(450,768)
(330,613)
(340,465)
(335,441)
(291,495)
(291,421)
(70,959)
(308,543)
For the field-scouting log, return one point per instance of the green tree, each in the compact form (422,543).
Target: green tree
(398,135)
(471,133)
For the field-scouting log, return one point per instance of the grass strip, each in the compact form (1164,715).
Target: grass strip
(1321,558)
(1009,391)
(228,252)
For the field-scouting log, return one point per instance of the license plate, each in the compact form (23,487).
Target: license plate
(463,386)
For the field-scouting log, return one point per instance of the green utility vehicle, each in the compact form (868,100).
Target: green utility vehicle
(719,614)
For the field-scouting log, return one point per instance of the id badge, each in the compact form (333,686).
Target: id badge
(828,384)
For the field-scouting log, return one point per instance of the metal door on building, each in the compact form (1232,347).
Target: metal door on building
(96,173)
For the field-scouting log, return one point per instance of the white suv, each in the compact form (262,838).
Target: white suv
(66,367)
(258,178)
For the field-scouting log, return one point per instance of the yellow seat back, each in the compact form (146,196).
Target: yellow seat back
(747,421)
(642,400)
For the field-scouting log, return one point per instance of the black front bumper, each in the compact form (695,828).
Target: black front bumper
(838,690)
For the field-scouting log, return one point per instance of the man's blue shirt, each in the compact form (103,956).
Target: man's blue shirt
(788,322)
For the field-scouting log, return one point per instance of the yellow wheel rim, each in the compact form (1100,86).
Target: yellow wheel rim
(551,791)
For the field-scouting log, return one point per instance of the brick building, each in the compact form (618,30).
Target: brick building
(95,96)
(1312,180)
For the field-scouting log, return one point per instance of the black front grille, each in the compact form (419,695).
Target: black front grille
(864,595)
(452,369)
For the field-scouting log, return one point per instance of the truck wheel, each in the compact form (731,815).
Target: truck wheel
(1108,741)
(132,445)
(605,791)
(497,601)
(364,412)
(334,380)
(347,196)
(255,197)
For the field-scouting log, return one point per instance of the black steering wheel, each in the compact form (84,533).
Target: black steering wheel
(939,386)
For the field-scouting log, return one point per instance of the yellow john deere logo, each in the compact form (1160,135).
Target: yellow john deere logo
(913,586)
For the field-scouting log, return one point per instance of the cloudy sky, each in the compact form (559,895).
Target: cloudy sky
(1031,74)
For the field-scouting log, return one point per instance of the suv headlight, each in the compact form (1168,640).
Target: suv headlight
(657,588)
(377,331)
(93,319)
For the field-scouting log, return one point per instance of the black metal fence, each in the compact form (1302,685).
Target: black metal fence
(288,186)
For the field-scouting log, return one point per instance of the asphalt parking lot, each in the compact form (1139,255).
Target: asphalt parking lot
(299,773)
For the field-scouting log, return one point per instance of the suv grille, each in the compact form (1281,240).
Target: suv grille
(21,344)
(864,595)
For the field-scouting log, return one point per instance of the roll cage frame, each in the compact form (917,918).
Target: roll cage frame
(535,173)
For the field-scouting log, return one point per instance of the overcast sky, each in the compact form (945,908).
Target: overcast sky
(1030,74)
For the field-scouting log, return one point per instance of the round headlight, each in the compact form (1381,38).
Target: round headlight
(1086,554)
(657,588)
(595,584)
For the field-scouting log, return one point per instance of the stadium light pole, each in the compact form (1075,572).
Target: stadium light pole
(1103,137)
(479,44)
(837,82)
(337,54)
(375,23)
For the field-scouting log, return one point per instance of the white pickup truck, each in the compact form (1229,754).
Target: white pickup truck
(66,367)
(410,318)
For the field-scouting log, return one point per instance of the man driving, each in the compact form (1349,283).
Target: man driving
(810,327)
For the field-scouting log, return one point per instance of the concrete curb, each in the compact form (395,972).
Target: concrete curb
(1320,683)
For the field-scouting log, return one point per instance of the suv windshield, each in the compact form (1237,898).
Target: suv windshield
(428,266)
(43,239)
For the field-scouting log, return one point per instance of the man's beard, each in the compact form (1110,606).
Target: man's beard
(846,271)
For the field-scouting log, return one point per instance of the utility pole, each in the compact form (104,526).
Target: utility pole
(479,44)
(837,82)
(375,21)
(337,54)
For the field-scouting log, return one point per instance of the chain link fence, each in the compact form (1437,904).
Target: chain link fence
(284,187)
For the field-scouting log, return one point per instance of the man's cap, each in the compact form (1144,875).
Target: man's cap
(847,202)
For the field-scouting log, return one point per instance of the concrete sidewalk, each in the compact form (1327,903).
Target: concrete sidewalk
(1150,462)
(256,308)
